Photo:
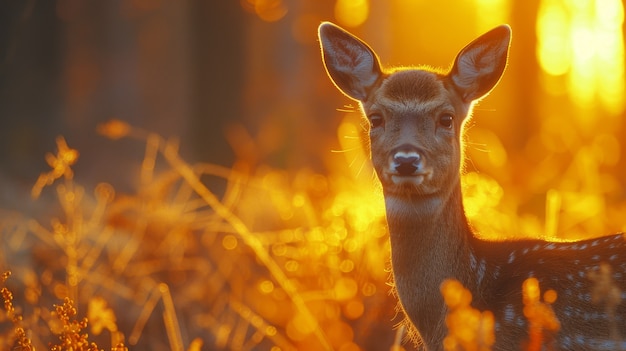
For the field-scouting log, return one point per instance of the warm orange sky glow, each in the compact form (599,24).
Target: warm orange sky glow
(583,40)
(229,202)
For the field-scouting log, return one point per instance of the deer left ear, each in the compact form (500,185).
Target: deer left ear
(351,64)
(479,66)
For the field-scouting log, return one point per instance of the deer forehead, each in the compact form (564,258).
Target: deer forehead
(411,91)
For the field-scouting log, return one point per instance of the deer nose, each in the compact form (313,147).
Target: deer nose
(406,163)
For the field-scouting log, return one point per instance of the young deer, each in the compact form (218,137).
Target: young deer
(416,118)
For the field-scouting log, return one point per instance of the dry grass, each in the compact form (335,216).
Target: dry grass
(281,261)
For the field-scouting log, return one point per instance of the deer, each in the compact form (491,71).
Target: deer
(416,117)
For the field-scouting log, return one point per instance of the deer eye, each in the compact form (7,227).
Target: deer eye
(376,120)
(446,120)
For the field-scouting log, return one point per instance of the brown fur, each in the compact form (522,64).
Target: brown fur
(417,119)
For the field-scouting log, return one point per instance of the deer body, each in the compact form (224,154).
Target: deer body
(416,122)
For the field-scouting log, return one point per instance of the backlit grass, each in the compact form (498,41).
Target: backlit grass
(281,261)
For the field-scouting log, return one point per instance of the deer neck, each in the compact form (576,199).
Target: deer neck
(429,243)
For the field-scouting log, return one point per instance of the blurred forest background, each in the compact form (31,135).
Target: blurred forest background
(240,84)
(212,72)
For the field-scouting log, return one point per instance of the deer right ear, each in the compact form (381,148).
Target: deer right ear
(350,63)
(479,66)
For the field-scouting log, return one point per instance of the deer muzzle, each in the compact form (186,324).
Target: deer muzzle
(406,166)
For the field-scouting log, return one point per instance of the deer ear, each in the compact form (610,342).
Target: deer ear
(350,63)
(479,66)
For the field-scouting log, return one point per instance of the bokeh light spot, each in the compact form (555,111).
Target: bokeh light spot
(354,309)
(345,289)
(351,13)
(229,242)
(266,286)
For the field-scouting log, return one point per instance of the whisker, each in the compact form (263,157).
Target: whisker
(478,147)
(344,150)
(347,108)
(358,173)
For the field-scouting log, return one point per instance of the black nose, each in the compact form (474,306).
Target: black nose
(406,163)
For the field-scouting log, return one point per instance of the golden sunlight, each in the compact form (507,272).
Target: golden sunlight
(543,323)
(491,13)
(553,51)
(468,328)
(283,244)
(351,13)
(583,40)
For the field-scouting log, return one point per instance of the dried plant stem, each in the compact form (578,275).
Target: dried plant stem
(148,307)
(171,155)
(261,326)
(553,206)
(397,341)
(169,318)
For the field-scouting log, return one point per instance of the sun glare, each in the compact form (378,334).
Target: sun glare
(583,40)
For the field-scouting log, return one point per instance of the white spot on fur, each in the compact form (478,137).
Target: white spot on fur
(511,257)
(482,268)
(509,313)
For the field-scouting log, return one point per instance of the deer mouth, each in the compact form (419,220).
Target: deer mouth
(416,182)
(413,179)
